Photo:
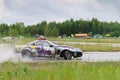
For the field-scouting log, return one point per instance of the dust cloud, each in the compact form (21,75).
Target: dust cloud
(7,54)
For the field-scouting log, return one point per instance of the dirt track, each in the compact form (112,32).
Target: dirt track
(101,56)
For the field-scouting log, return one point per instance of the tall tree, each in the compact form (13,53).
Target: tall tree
(95,26)
(41,26)
(4,29)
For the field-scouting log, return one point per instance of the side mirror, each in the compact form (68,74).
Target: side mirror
(51,46)
(33,44)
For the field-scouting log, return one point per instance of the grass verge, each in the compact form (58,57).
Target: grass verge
(67,70)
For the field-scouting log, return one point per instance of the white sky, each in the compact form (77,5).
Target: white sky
(35,11)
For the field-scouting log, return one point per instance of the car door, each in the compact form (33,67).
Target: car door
(39,48)
(48,49)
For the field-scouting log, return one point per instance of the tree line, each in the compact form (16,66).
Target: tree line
(66,28)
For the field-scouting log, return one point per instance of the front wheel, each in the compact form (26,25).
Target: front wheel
(68,55)
(26,53)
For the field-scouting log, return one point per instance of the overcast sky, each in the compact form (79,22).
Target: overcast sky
(34,11)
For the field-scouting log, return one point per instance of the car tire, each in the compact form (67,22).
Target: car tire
(67,55)
(26,53)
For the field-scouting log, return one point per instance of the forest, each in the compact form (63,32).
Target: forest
(66,28)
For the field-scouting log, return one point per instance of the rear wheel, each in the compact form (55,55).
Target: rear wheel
(26,53)
(68,55)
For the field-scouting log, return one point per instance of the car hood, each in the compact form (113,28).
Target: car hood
(71,48)
(63,46)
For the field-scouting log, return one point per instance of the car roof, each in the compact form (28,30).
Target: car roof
(37,41)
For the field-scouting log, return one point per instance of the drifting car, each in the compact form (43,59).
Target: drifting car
(45,48)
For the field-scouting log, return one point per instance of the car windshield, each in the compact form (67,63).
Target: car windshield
(52,43)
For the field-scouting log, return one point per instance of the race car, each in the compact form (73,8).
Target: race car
(45,48)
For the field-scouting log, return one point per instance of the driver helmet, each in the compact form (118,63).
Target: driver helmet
(42,38)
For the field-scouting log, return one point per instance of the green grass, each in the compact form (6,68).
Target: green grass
(104,40)
(26,40)
(60,70)
(22,41)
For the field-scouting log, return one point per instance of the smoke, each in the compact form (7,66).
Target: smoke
(7,54)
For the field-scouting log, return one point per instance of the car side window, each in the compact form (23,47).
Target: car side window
(46,44)
(39,44)
(33,44)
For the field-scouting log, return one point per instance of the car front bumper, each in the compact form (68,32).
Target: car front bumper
(77,54)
